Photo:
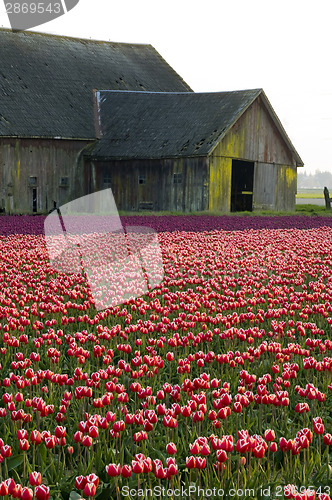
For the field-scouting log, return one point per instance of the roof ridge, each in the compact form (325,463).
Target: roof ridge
(142,92)
(68,37)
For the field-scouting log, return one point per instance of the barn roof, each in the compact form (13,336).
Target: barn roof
(164,125)
(47,81)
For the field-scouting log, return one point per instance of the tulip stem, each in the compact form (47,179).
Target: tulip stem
(59,456)
(328,462)
(34,456)
(117,489)
(238,473)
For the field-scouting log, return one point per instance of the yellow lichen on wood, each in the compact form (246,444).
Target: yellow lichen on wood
(220,184)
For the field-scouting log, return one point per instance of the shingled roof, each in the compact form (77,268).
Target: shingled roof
(47,81)
(165,125)
(157,125)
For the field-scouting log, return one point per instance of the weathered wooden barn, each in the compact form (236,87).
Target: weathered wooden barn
(47,112)
(223,151)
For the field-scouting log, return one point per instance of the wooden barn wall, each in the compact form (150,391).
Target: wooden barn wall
(286,187)
(254,137)
(159,192)
(48,161)
(265,184)
(220,183)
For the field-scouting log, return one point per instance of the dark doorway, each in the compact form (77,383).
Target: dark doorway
(242,185)
(34,200)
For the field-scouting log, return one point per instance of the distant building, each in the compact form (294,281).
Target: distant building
(223,151)
(46,109)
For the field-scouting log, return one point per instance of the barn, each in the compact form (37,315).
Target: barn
(47,113)
(184,151)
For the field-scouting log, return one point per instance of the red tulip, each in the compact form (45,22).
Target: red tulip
(269,435)
(26,493)
(328,439)
(200,462)
(126,471)
(11,485)
(50,442)
(42,492)
(137,466)
(289,491)
(23,444)
(80,482)
(205,449)
(302,407)
(273,447)
(78,437)
(195,448)
(259,451)
(242,446)
(93,431)
(35,437)
(87,441)
(171,449)
(90,490)
(119,426)
(22,434)
(318,428)
(113,469)
(6,451)
(93,478)
(3,489)
(160,472)
(60,431)
(221,456)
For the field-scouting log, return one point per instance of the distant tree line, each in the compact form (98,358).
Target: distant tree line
(316,180)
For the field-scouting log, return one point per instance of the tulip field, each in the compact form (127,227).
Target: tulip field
(215,384)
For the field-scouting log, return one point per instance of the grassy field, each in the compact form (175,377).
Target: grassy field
(310,193)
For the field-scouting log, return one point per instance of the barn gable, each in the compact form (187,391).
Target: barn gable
(254,165)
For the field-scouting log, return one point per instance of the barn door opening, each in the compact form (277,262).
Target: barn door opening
(242,185)
(34,200)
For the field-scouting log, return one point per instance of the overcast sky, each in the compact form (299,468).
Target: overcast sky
(281,46)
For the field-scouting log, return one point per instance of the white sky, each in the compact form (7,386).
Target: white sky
(282,46)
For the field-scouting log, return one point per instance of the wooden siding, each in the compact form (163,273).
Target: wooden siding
(286,187)
(265,183)
(254,137)
(159,192)
(220,183)
(48,161)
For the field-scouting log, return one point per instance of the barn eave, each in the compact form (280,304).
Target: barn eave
(131,158)
(47,137)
